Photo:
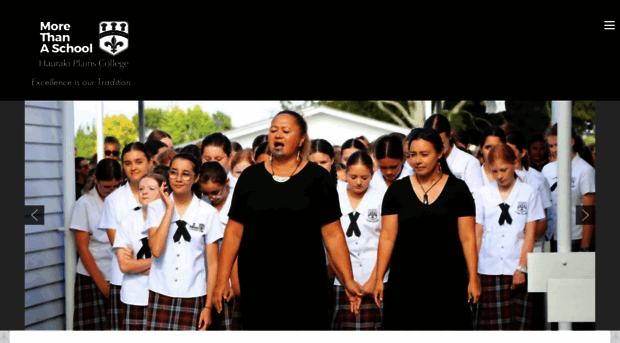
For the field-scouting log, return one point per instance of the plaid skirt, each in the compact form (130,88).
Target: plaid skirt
(90,305)
(501,308)
(230,318)
(369,317)
(135,318)
(116,310)
(166,313)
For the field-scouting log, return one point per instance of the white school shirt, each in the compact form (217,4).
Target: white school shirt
(501,246)
(86,216)
(378,183)
(582,183)
(407,168)
(134,288)
(483,176)
(465,167)
(362,249)
(180,270)
(116,208)
(545,196)
(233,180)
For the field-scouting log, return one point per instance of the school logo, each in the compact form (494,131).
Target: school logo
(113,36)
(373,215)
(459,176)
(522,207)
(572,182)
(200,227)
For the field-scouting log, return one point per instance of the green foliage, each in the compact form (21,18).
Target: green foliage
(222,121)
(153,118)
(120,127)
(86,140)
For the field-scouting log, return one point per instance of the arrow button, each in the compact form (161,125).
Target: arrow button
(34,215)
(585,215)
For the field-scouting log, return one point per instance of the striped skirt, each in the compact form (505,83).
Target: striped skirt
(135,318)
(230,318)
(90,305)
(369,317)
(166,313)
(116,310)
(500,307)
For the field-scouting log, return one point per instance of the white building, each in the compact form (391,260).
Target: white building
(323,122)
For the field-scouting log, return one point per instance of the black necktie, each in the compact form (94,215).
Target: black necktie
(505,216)
(353,225)
(181,230)
(137,208)
(145,250)
(554,186)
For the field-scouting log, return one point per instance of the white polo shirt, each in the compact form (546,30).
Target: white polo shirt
(116,208)
(180,270)
(582,183)
(378,183)
(86,216)
(465,167)
(134,289)
(501,247)
(362,249)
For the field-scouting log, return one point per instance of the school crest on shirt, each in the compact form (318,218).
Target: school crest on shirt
(572,182)
(200,227)
(522,207)
(373,215)
(459,176)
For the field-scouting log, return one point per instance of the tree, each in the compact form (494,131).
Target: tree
(121,127)
(153,118)
(222,121)
(193,125)
(86,140)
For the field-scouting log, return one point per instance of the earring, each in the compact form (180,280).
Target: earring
(297,155)
(439,164)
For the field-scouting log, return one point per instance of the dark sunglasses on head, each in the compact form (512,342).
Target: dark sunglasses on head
(110,152)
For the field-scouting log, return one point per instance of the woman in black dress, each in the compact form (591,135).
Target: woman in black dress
(281,213)
(428,282)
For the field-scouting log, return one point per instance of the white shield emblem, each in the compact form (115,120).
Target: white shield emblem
(373,215)
(113,36)
(522,207)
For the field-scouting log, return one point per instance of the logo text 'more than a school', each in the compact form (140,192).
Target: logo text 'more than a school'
(113,36)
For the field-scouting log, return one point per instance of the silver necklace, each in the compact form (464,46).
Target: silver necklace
(281,178)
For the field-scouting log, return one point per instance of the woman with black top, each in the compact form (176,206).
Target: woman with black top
(281,213)
(426,287)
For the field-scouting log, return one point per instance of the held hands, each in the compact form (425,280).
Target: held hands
(205,319)
(369,287)
(165,197)
(518,279)
(354,293)
(473,289)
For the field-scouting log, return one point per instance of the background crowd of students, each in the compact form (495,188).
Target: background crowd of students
(390,234)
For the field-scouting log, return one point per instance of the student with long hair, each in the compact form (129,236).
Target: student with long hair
(239,162)
(462,165)
(134,255)
(215,189)
(506,214)
(262,153)
(182,230)
(538,151)
(582,190)
(491,136)
(361,221)
(136,162)
(350,146)
(323,154)
(92,286)
(217,147)
(160,135)
(426,293)
(390,157)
